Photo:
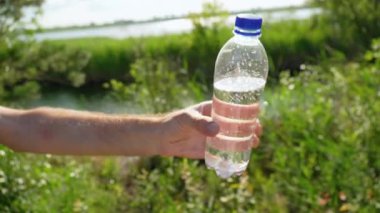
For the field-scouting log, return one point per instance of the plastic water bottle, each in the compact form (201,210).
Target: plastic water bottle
(240,75)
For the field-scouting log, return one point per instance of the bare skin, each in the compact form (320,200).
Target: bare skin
(67,132)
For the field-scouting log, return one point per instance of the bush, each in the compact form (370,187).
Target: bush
(25,65)
(156,87)
(353,23)
(31,183)
(28,66)
(288,46)
(321,129)
(318,152)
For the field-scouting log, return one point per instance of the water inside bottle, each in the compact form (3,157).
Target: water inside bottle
(235,109)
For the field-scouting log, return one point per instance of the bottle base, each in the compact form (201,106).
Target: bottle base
(225,168)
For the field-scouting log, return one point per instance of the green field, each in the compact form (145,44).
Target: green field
(112,58)
(321,116)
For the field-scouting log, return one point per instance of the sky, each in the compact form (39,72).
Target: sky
(80,12)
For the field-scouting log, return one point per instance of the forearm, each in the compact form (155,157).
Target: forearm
(59,131)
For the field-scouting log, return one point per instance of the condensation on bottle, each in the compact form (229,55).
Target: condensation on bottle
(241,70)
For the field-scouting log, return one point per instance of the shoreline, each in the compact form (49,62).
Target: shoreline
(168,18)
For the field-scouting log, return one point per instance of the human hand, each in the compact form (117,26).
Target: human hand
(185,131)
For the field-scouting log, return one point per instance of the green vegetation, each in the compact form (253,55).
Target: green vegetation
(111,58)
(320,147)
(156,88)
(45,184)
(356,22)
(319,153)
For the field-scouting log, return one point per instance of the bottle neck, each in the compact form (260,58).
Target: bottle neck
(247,39)
(247,36)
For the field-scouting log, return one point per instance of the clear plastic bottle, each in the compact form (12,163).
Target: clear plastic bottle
(240,75)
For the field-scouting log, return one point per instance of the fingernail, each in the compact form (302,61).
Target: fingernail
(213,128)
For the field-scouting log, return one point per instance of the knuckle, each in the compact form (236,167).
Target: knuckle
(185,115)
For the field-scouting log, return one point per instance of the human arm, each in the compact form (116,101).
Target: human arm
(63,131)
(69,132)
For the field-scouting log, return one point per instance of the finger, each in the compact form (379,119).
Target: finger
(196,151)
(203,124)
(204,108)
(258,129)
(255,141)
(206,127)
(198,154)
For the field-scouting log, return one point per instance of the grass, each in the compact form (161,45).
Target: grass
(45,184)
(319,153)
(112,58)
(197,51)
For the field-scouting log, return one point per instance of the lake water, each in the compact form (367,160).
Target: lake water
(83,12)
(161,27)
(89,102)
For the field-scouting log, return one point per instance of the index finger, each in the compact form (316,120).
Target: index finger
(204,108)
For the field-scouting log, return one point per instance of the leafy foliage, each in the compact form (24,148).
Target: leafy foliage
(352,22)
(206,39)
(11,13)
(319,149)
(44,183)
(303,41)
(157,87)
(24,64)
(322,131)
(319,152)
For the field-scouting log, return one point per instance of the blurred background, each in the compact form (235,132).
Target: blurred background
(321,109)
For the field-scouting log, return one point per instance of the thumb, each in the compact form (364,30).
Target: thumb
(205,125)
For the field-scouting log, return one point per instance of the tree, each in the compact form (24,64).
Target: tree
(24,63)
(352,21)
(11,14)
(206,41)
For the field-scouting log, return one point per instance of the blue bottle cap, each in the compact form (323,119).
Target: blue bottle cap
(248,25)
